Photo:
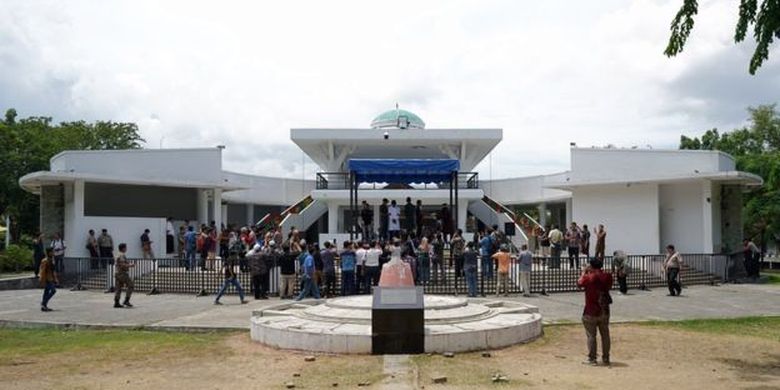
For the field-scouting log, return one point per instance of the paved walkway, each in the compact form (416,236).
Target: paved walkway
(92,308)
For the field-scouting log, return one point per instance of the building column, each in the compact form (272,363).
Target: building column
(707,246)
(542,207)
(78,198)
(333,218)
(79,229)
(250,214)
(217,204)
(203,207)
(569,216)
(463,210)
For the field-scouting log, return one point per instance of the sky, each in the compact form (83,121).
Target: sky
(242,74)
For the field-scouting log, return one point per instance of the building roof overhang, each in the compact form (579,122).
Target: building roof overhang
(32,182)
(726,177)
(330,148)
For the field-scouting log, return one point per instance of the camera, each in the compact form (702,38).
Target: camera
(387,135)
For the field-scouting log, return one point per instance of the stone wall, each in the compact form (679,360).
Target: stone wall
(52,210)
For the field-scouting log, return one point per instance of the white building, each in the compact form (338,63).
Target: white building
(645,198)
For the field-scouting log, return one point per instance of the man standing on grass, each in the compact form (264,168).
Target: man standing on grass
(595,316)
(122,276)
(47,279)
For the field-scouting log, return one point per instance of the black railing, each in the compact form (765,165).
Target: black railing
(340,181)
(548,274)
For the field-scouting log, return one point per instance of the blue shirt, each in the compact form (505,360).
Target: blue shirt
(308,265)
(526,260)
(327,260)
(348,260)
(485,245)
(191,238)
(470,260)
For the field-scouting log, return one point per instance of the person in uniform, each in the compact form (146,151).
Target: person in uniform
(48,279)
(122,276)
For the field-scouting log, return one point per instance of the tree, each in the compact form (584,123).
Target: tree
(756,149)
(763,17)
(27,144)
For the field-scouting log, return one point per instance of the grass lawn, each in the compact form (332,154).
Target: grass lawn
(773,275)
(21,344)
(763,327)
(712,354)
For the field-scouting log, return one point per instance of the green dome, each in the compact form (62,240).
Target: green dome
(398,118)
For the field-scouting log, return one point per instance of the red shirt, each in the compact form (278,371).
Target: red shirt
(595,282)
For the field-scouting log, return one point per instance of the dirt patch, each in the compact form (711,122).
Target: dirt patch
(235,362)
(644,357)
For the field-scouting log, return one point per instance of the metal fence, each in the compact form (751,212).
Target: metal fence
(548,275)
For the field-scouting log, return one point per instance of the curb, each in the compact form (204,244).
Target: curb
(13,324)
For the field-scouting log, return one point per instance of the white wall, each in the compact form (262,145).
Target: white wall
(122,229)
(525,190)
(199,165)
(267,190)
(629,214)
(635,164)
(681,216)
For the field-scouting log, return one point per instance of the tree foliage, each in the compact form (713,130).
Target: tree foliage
(756,149)
(27,144)
(763,17)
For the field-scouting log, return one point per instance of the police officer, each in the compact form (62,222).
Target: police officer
(122,276)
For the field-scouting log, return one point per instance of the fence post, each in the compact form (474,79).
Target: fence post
(154,290)
(78,264)
(202,292)
(544,265)
(110,288)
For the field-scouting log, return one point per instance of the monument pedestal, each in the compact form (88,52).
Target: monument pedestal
(397,321)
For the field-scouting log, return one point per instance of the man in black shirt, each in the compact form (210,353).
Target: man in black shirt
(287,269)
(409,216)
(383,219)
(418,218)
(367,216)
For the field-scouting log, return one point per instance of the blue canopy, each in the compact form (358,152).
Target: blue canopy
(403,171)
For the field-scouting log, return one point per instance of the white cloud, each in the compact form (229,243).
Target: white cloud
(243,73)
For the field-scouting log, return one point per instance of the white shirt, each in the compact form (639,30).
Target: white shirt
(372,257)
(169,228)
(360,256)
(394,218)
(59,247)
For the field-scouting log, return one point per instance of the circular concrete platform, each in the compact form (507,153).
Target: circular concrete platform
(343,325)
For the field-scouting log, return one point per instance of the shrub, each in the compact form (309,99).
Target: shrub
(15,258)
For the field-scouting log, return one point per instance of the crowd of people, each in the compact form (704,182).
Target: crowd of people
(420,248)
